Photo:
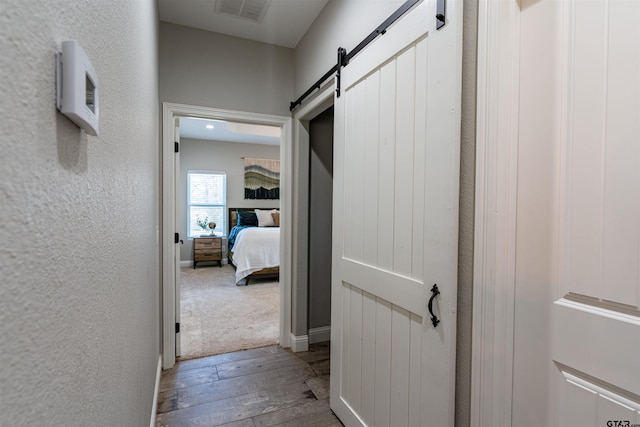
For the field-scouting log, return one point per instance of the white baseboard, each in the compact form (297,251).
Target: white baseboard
(321,334)
(156,391)
(300,343)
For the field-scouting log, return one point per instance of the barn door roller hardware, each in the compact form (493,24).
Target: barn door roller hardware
(441,14)
(344,57)
(343,61)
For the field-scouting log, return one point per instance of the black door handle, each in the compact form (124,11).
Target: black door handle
(434,319)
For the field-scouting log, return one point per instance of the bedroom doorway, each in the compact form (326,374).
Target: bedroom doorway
(197,280)
(221,310)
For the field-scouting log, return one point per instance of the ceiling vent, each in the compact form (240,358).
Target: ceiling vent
(253,10)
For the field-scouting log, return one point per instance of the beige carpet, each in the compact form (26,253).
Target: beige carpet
(216,316)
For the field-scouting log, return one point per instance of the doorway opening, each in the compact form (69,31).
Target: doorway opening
(178,237)
(311,307)
(312,243)
(221,311)
(320,225)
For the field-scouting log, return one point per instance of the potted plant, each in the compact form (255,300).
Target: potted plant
(203,223)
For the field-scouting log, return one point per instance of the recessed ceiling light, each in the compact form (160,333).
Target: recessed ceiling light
(209,126)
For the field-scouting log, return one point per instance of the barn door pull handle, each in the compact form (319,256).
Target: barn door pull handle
(434,319)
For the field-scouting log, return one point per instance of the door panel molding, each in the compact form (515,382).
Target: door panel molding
(598,338)
(593,401)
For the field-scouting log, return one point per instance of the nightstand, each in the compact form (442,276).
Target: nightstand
(207,249)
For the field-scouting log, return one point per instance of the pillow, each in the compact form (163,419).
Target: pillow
(264,217)
(276,218)
(247,218)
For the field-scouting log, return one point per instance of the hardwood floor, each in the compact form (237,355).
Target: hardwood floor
(267,386)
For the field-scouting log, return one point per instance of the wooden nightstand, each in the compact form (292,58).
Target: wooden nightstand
(207,249)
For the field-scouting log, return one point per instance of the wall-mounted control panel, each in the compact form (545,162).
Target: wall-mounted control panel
(77,90)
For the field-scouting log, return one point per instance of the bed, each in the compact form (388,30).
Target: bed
(254,251)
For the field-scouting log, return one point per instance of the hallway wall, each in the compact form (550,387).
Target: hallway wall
(79,287)
(208,69)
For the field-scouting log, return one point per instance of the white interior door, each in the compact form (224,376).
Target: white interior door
(181,238)
(577,329)
(396,162)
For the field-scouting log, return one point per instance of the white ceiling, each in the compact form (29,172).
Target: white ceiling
(196,128)
(284,23)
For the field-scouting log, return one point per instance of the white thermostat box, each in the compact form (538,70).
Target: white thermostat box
(77,87)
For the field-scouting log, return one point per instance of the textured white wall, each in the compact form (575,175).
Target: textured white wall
(214,70)
(79,291)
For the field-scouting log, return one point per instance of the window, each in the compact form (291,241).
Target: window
(206,201)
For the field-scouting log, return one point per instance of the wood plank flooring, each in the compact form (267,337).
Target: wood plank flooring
(267,386)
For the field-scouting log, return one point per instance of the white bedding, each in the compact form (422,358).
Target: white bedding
(256,248)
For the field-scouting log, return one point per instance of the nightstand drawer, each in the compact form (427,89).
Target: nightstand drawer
(208,243)
(208,255)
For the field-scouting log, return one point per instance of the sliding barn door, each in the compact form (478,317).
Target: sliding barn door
(397,126)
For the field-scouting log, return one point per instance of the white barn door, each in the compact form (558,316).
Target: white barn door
(396,148)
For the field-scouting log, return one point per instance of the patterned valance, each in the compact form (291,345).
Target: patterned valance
(261,179)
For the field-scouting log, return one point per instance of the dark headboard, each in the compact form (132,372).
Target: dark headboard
(233,219)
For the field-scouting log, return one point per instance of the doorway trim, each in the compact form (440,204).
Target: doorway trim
(171,111)
(497,130)
(313,106)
